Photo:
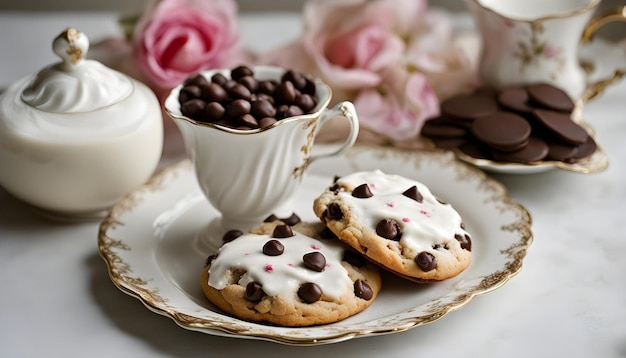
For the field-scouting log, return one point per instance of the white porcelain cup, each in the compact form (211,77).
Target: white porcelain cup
(529,41)
(249,174)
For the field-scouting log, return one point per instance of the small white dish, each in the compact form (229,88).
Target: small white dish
(150,244)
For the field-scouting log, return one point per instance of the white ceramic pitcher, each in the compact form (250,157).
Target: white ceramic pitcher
(528,41)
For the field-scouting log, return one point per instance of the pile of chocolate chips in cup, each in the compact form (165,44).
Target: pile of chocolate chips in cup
(245,103)
(521,124)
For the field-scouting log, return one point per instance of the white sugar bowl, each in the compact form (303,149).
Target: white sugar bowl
(77,136)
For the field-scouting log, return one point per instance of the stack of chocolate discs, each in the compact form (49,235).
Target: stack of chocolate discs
(521,124)
(245,103)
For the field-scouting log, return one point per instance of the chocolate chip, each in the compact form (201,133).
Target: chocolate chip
(238,108)
(273,248)
(241,71)
(285,93)
(214,111)
(310,292)
(196,80)
(389,229)
(249,121)
(209,260)
(465,241)
(271,218)
(354,258)
(262,108)
(363,290)
(296,78)
(212,92)
(314,261)
(267,87)
(267,121)
(309,88)
(193,108)
(414,194)
(263,97)
(333,212)
(288,111)
(250,83)
(291,220)
(426,261)
(231,235)
(362,191)
(219,78)
(306,102)
(282,231)
(268,103)
(189,92)
(239,91)
(254,292)
(229,84)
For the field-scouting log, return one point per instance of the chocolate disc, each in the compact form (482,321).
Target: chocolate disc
(535,150)
(502,131)
(469,107)
(551,97)
(441,127)
(560,152)
(562,126)
(475,150)
(586,149)
(448,143)
(515,99)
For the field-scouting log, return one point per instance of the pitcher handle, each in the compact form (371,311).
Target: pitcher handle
(617,14)
(348,112)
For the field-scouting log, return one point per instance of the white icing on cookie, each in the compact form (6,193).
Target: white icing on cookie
(423,225)
(281,275)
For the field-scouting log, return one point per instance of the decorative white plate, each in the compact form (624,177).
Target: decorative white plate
(149,244)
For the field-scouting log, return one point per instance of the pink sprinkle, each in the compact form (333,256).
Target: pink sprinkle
(372,185)
(426,213)
(291,265)
(269,268)
(315,247)
(247,254)
(406,220)
(391,204)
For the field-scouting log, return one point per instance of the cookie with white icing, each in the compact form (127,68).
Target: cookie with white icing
(398,223)
(280,275)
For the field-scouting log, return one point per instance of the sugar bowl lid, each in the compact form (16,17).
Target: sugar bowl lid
(75,84)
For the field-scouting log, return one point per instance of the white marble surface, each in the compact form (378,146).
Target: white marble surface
(569,300)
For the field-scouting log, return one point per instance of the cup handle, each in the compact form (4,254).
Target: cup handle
(617,14)
(346,110)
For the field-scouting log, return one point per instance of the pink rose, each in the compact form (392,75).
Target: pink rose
(441,55)
(176,38)
(346,43)
(399,107)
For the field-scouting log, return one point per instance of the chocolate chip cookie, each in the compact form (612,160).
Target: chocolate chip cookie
(280,274)
(397,223)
